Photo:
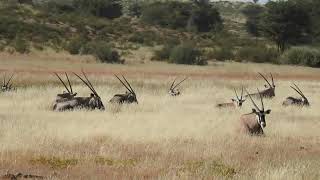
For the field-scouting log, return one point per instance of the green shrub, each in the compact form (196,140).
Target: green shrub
(144,37)
(186,54)
(103,52)
(222,54)
(172,14)
(301,56)
(163,53)
(101,8)
(257,54)
(75,45)
(21,45)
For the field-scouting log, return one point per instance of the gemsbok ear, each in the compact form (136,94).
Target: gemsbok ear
(268,111)
(254,110)
(233,100)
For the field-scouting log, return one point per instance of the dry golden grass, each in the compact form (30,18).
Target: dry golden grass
(163,137)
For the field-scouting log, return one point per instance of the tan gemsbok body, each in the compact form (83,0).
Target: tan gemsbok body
(267,93)
(293,101)
(90,103)
(235,102)
(7,85)
(173,91)
(128,98)
(66,95)
(254,122)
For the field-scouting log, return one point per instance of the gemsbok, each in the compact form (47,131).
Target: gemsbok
(66,95)
(267,93)
(293,101)
(128,98)
(7,85)
(173,91)
(235,102)
(90,103)
(254,122)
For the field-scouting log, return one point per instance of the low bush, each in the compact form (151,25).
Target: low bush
(75,45)
(103,52)
(186,54)
(21,45)
(164,53)
(222,54)
(306,56)
(257,54)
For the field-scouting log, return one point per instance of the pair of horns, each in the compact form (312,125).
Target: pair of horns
(237,94)
(126,85)
(173,86)
(298,90)
(267,80)
(69,90)
(87,82)
(5,84)
(255,103)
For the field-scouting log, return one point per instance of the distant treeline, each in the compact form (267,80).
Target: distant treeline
(82,26)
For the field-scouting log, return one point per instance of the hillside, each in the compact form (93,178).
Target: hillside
(26,27)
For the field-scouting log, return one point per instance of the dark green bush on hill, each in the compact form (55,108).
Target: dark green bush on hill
(101,8)
(186,54)
(257,54)
(103,52)
(206,18)
(306,56)
(173,14)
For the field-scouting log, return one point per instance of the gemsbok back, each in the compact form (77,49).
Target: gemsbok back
(235,102)
(269,92)
(293,101)
(254,122)
(173,91)
(91,102)
(65,95)
(7,85)
(128,98)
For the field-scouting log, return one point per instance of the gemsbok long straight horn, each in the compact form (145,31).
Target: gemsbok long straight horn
(269,92)
(235,102)
(65,95)
(254,122)
(130,95)
(293,101)
(90,103)
(7,85)
(173,91)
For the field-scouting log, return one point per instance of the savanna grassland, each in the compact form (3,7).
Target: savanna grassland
(162,137)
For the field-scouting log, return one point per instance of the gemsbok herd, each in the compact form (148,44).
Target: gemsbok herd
(252,123)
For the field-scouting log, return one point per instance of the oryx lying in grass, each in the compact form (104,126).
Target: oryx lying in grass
(173,91)
(269,92)
(235,102)
(254,122)
(66,95)
(292,101)
(129,97)
(7,85)
(90,103)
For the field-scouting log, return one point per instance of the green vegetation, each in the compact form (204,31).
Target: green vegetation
(301,56)
(109,29)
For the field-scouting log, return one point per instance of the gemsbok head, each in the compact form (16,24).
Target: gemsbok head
(293,101)
(7,85)
(68,94)
(254,122)
(91,102)
(235,102)
(129,97)
(173,91)
(269,92)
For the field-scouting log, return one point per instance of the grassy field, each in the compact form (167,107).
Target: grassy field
(162,137)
